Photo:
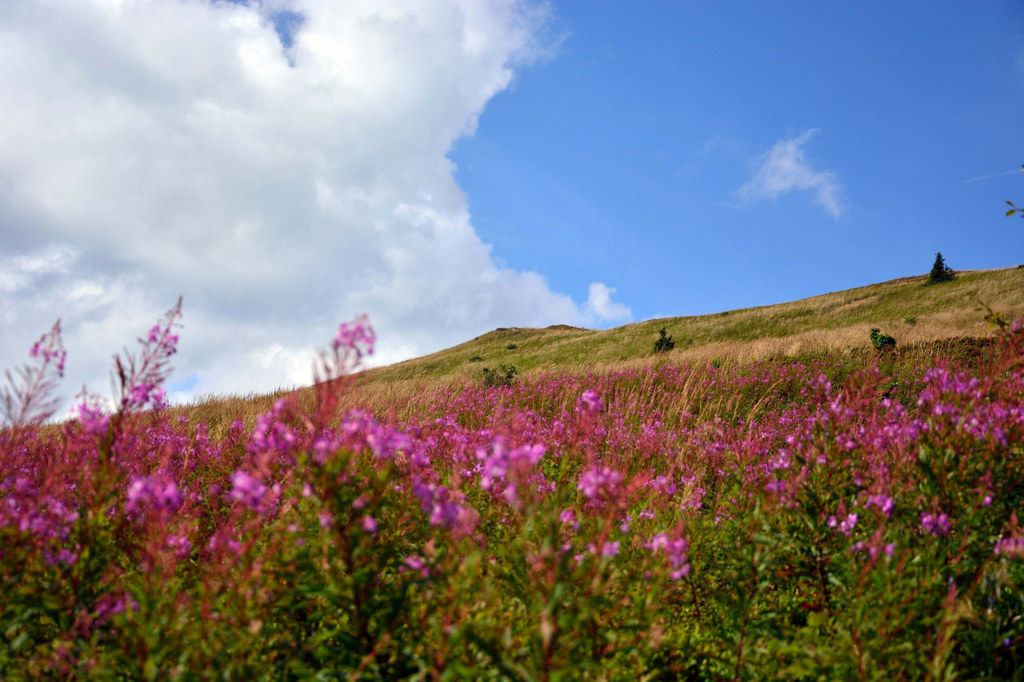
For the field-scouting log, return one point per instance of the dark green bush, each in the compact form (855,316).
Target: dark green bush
(881,341)
(476,358)
(664,343)
(505,375)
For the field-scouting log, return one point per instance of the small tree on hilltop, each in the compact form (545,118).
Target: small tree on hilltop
(941,272)
(664,343)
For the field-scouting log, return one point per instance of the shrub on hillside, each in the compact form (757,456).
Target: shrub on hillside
(664,343)
(505,375)
(881,341)
(941,272)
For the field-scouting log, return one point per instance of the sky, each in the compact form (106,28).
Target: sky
(453,166)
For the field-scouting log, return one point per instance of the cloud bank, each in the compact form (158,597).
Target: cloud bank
(281,165)
(784,168)
(601,306)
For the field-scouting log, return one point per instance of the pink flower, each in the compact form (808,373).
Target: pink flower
(590,401)
(356,338)
(675,552)
(935,524)
(568,518)
(246,489)
(597,483)
(154,493)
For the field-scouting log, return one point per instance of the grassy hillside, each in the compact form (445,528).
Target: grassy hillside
(832,326)
(908,309)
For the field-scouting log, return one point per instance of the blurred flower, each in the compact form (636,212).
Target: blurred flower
(599,483)
(935,524)
(247,490)
(590,401)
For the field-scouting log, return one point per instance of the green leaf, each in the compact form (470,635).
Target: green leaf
(817,619)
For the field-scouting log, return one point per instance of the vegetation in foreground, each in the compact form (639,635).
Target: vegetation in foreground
(657,523)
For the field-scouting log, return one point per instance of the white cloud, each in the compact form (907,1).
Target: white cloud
(784,168)
(164,147)
(20,272)
(601,305)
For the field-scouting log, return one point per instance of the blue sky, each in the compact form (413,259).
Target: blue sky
(625,153)
(453,166)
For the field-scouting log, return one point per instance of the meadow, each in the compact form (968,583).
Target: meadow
(773,499)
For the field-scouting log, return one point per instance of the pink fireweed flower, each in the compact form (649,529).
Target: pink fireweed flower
(141,395)
(151,492)
(1012,546)
(222,540)
(441,503)
(357,335)
(590,401)
(600,483)
(935,524)
(503,469)
(694,493)
(417,564)
(782,460)
(370,524)
(883,502)
(271,434)
(874,546)
(845,526)
(91,414)
(63,556)
(179,545)
(568,518)
(675,552)
(664,485)
(247,490)
(872,549)
(27,401)
(141,376)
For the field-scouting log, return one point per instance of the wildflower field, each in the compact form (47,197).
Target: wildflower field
(770,520)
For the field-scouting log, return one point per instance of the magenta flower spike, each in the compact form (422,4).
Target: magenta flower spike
(26,399)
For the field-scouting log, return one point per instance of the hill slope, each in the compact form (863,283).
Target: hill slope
(834,325)
(906,308)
